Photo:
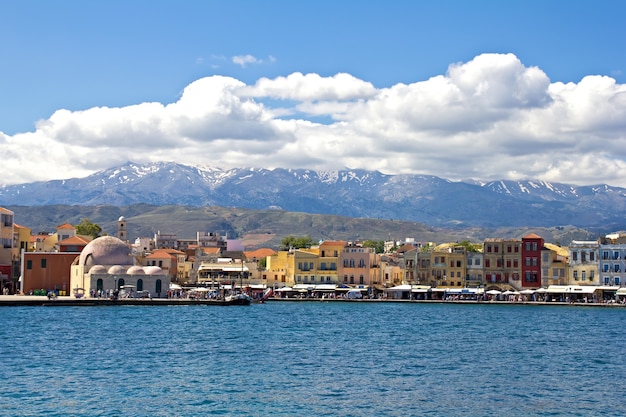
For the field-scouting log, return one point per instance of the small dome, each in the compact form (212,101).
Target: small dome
(116,270)
(135,270)
(153,270)
(97,269)
(106,250)
(121,219)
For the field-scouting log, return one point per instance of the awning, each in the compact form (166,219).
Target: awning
(557,289)
(464,291)
(404,287)
(621,291)
(325,287)
(582,289)
(299,287)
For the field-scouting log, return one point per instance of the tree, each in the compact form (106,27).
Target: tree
(297,242)
(470,247)
(87,228)
(378,245)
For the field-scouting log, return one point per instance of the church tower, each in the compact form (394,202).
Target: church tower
(121,229)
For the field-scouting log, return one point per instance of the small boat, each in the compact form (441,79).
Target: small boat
(239,299)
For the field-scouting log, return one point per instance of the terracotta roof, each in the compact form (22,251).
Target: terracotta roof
(6,211)
(75,240)
(260,253)
(65,226)
(532,236)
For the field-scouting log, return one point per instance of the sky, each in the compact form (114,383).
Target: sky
(482,90)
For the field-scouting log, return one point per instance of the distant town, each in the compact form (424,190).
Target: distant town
(164,265)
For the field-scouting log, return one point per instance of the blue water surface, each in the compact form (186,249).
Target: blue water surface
(313,359)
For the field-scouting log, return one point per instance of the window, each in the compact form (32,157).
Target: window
(29,264)
(469,262)
(616,268)
(527,260)
(605,267)
(515,263)
(616,255)
(605,254)
(534,261)
(584,275)
(583,256)
(574,256)
(508,263)
(487,263)
(495,249)
(489,248)
(534,246)
(606,280)
(576,275)
(592,256)
(616,280)
(509,248)
(591,275)
(527,246)
(478,262)
(43,262)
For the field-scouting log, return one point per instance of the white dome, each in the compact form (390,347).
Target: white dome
(106,250)
(98,269)
(153,270)
(135,270)
(116,270)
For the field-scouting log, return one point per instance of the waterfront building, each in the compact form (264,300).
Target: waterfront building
(612,262)
(7,255)
(532,245)
(305,266)
(47,271)
(554,265)
(474,266)
(448,266)
(329,252)
(223,270)
(278,268)
(583,263)
(357,266)
(106,264)
(391,270)
(502,263)
(21,243)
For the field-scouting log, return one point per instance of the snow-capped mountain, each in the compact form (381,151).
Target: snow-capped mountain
(354,193)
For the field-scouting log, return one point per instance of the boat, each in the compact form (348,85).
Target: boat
(239,299)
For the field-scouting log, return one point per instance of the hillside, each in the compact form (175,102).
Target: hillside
(266,228)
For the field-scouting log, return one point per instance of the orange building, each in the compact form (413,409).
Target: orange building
(48,271)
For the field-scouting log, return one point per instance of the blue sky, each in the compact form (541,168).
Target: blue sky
(63,62)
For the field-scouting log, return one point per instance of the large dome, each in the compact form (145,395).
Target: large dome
(106,250)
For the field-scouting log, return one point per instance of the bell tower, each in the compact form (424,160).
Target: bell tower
(121,229)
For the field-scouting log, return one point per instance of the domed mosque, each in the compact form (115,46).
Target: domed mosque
(106,264)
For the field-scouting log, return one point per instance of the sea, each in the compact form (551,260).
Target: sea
(313,359)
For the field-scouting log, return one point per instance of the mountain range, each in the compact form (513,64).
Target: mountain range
(353,193)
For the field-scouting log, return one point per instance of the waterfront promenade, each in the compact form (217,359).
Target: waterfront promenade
(42,300)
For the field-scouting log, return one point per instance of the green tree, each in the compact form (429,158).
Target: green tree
(87,228)
(470,247)
(297,242)
(378,245)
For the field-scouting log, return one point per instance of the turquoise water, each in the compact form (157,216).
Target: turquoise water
(313,359)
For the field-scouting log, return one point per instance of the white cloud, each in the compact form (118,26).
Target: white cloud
(489,118)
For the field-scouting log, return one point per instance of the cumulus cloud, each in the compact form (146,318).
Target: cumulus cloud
(488,118)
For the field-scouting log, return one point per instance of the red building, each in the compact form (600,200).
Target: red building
(532,245)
